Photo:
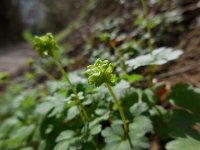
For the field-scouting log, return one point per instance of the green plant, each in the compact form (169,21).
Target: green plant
(158,56)
(39,111)
(101,72)
(4,77)
(47,46)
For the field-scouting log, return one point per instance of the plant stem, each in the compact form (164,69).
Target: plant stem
(121,58)
(150,43)
(148,25)
(121,113)
(49,76)
(81,108)
(119,107)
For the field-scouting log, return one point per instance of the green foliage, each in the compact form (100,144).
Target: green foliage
(132,78)
(64,112)
(48,117)
(152,23)
(114,136)
(186,96)
(187,143)
(159,56)
(4,76)
(138,108)
(27,35)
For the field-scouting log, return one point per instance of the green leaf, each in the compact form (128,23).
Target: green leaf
(100,111)
(56,103)
(55,86)
(64,145)
(159,56)
(18,137)
(72,143)
(181,123)
(26,148)
(186,96)
(138,108)
(140,126)
(95,129)
(131,47)
(25,100)
(4,76)
(187,143)
(8,126)
(72,112)
(95,126)
(65,135)
(43,108)
(155,21)
(121,88)
(149,97)
(105,37)
(41,145)
(115,139)
(75,77)
(132,78)
(160,118)
(151,22)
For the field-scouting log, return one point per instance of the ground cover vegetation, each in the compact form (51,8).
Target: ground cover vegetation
(113,103)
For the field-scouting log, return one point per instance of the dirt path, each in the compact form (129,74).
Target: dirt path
(14,58)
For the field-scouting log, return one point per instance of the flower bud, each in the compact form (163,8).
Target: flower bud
(45,45)
(100,72)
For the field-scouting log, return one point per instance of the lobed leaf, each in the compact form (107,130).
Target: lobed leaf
(159,56)
(186,143)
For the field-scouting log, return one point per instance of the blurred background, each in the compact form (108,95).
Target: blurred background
(35,16)
(21,19)
(75,23)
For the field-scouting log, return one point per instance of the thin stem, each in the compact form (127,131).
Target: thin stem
(81,108)
(119,107)
(150,43)
(78,102)
(121,113)
(121,58)
(148,25)
(47,73)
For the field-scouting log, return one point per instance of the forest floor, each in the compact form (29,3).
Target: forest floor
(186,69)
(14,58)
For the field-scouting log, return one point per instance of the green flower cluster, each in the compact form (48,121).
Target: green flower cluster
(45,45)
(101,72)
